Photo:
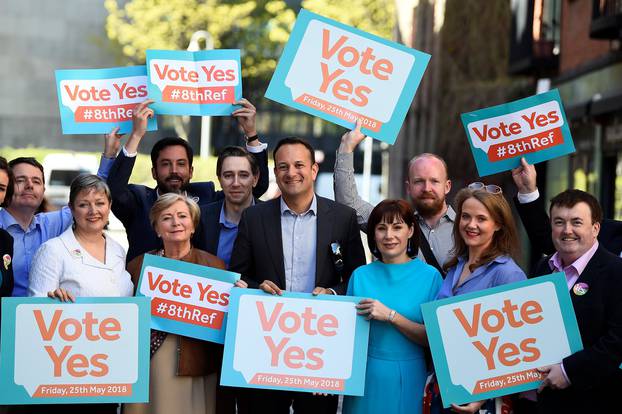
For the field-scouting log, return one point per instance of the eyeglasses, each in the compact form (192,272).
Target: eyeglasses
(490,188)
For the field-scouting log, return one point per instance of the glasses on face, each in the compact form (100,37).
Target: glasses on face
(490,188)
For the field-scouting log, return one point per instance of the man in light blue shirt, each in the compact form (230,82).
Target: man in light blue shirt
(299,234)
(30,230)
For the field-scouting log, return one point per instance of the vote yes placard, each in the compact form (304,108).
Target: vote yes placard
(206,82)
(94,101)
(94,350)
(488,344)
(295,342)
(186,299)
(535,128)
(342,74)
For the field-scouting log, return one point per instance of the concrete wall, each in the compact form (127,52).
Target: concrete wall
(37,37)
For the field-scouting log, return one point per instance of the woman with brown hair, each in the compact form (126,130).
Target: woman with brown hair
(398,283)
(485,242)
(183,374)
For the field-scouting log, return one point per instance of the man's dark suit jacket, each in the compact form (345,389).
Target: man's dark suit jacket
(538,226)
(258,249)
(593,372)
(207,235)
(131,203)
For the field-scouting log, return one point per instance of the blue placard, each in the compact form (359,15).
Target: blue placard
(186,298)
(340,74)
(535,128)
(295,342)
(95,350)
(207,82)
(94,101)
(489,343)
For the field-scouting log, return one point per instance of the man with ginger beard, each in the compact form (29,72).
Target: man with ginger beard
(427,186)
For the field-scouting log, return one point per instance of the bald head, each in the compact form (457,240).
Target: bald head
(428,184)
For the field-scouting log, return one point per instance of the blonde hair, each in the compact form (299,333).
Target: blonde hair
(166,200)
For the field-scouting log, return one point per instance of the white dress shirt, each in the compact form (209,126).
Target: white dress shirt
(62,263)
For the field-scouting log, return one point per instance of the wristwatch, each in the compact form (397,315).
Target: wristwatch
(251,139)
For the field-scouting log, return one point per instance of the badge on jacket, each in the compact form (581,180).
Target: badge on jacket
(7,261)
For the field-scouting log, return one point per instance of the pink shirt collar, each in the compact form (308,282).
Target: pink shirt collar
(574,270)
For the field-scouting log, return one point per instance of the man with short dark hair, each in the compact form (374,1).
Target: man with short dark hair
(172,169)
(587,381)
(238,173)
(285,244)
(427,186)
(532,211)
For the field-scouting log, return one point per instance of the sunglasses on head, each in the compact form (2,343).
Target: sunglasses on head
(490,188)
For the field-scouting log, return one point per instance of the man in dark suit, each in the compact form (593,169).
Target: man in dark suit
(285,244)
(238,174)
(171,160)
(587,381)
(532,211)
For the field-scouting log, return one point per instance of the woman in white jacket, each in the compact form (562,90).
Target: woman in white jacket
(82,261)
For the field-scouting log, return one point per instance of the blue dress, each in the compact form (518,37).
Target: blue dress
(396,368)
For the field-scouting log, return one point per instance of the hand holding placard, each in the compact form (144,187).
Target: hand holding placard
(342,74)
(295,342)
(490,343)
(533,127)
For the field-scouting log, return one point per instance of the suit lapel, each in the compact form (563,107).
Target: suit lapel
(325,225)
(274,240)
(591,271)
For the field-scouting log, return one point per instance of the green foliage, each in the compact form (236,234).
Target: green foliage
(373,16)
(259,28)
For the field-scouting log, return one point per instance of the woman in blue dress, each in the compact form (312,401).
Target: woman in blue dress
(398,283)
(485,240)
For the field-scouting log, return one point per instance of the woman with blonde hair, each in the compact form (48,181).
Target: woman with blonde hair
(184,371)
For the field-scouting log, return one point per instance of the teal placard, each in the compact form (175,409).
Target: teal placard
(198,310)
(94,101)
(339,73)
(95,350)
(271,345)
(535,128)
(471,365)
(206,82)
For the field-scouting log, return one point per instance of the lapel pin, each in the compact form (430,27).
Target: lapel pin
(76,253)
(580,289)
(7,261)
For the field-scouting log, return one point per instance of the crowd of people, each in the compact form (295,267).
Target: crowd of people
(424,249)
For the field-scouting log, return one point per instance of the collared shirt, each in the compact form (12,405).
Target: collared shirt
(573,270)
(63,263)
(43,227)
(440,237)
(500,271)
(299,234)
(227,235)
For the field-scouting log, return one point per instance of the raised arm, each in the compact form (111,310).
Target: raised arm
(123,200)
(246,116)
(343,179)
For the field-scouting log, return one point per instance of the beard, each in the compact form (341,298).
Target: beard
(166,187)
(427,207)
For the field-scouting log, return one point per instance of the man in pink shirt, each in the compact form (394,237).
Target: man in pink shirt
(588,380)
